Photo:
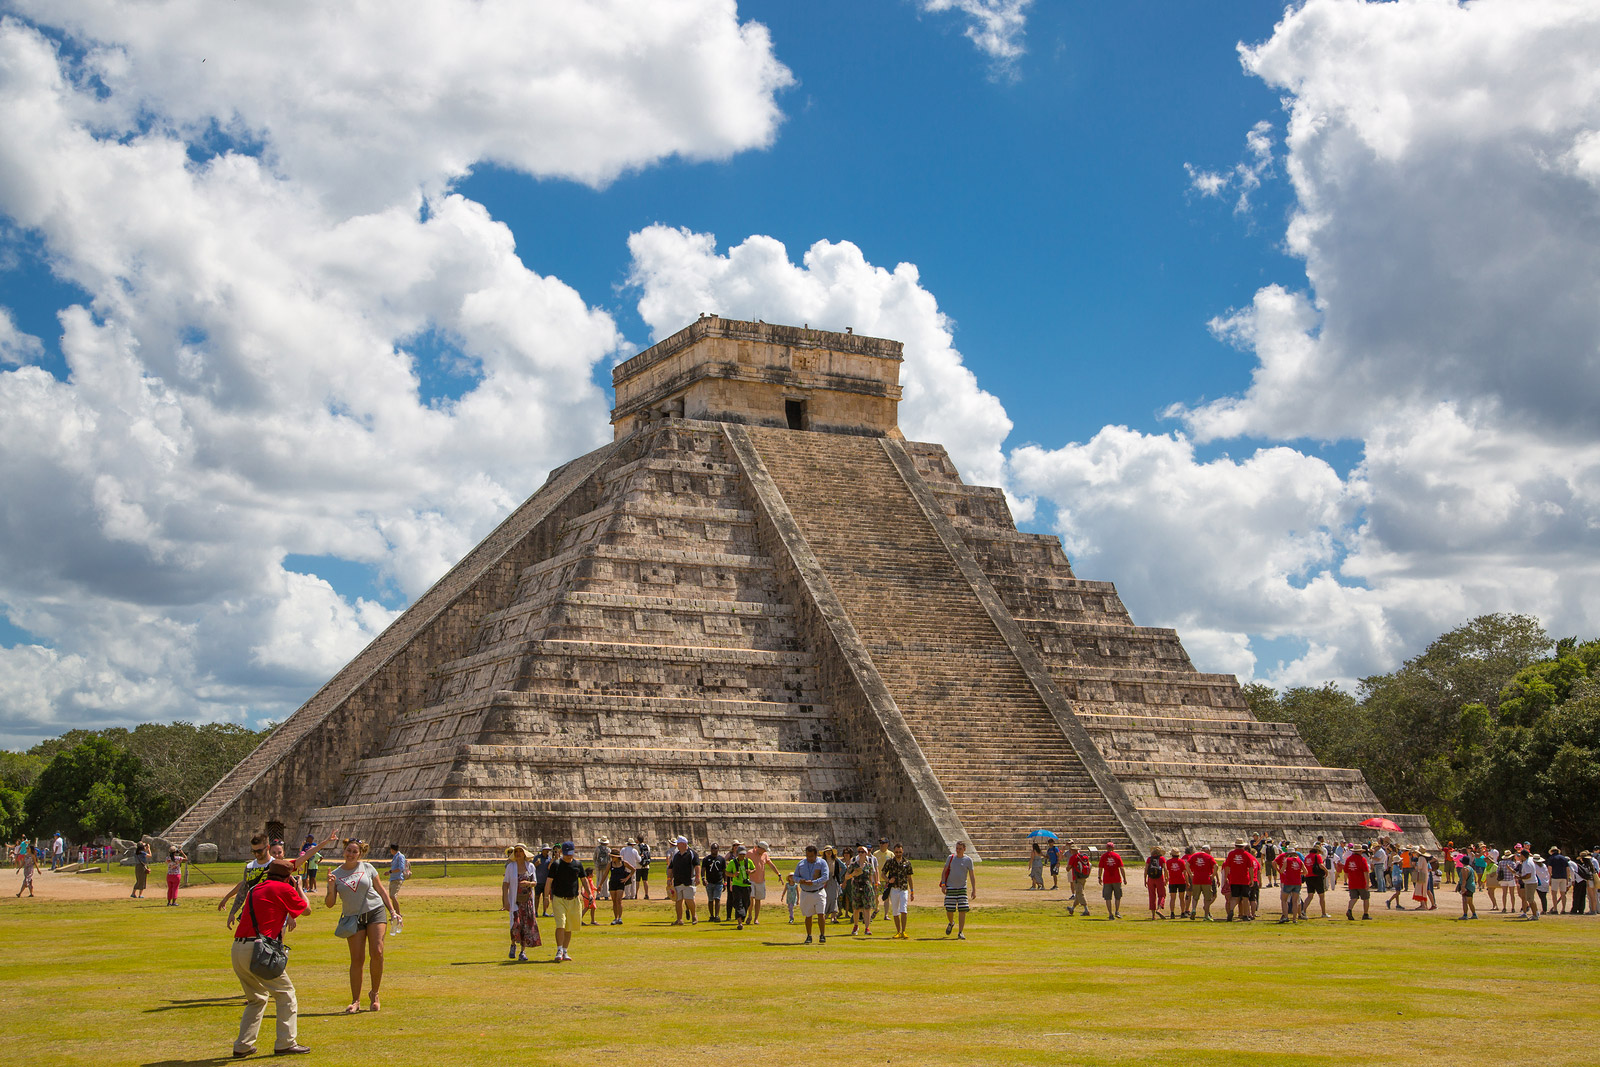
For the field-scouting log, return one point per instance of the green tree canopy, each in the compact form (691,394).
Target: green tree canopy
(64,793)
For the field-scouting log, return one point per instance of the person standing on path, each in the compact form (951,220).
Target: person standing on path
(858,890)
(1036,867)
(901,889)
(761,861)
(738,871)
(1291,876)
(835,875)
(566,882)
(618,875)
(176,858)
(313,861)
(1078,870)
(811,875)
(58,852)
(1110,877)
(541,881)
(683,874)
(365,911)
(268,906)
(1316,884)
(141,870)
(602,863)
(1052,856)
(958,871)
(30,862)
(399,871)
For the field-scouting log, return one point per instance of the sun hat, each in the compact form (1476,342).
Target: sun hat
(525,849)
(762,844)
(681,840)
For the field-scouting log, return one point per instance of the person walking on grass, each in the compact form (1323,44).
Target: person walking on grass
(958,872)
(1467,886)
(1176,869)
(900,890)
(1036,867)
(1078,871)
(738,875)
(713,872)
(1357,870)
(1202,881)
(269,904)
(1560,878)
(176,859)
(516,899)
(399,871)
(1316,883)
(791,896)
(642,868)
(1111,875)
(566,884)
(859,878)
(1291,877)
(811,875)
(1155,882)
(683,874)
(141,870)
(618,875)
(364,916)
(1237,867)
(630,855)
(761,862)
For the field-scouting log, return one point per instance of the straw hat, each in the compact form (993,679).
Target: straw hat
(526,851)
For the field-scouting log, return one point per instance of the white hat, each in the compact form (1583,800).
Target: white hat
(682,841)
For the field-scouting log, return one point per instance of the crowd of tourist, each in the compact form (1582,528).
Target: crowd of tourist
(829,887)
(1185,883)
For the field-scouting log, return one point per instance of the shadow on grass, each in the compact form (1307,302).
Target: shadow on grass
(192,1063)
(203,1002)
(497,963)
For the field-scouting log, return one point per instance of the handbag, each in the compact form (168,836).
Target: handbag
(349,925)
(269,956)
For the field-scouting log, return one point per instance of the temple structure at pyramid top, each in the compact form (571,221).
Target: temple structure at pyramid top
(761,613)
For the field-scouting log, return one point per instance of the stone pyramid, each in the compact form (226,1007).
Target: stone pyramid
(761,613)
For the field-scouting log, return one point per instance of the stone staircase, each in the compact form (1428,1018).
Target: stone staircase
(645,676)
(1000,756)
(1196,762)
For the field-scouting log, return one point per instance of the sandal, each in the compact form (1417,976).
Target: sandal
(354,1008)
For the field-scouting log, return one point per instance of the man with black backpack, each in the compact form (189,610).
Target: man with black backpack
(267,906)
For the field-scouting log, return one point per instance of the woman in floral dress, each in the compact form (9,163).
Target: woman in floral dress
(516,896)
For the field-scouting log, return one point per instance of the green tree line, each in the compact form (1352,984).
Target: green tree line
(117,782)
(1492,732)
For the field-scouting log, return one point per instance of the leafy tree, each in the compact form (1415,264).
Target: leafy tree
(19,769)
(107,810)
(58,797)
(11,813)
(1540,782)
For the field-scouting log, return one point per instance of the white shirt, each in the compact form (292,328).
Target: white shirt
(630,855)
(1530,871)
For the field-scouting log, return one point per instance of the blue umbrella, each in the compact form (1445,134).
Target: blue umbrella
(1043,833)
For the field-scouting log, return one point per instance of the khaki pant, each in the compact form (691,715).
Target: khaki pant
(1077,893)
(256,992)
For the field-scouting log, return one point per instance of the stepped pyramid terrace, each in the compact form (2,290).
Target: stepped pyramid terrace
(760,612)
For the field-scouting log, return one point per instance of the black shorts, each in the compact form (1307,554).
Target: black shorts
(1239,892)
(1317,883)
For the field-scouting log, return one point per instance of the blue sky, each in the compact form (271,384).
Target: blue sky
(1296,343)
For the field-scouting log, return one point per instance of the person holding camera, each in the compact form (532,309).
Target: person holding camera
(268,905)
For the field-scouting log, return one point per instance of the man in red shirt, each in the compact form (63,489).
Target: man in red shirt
(1291,875)
(1078,867)
(1177,885)
(1202,880)
(1238,868)
(1109,876)
(1357,869)
(267,906)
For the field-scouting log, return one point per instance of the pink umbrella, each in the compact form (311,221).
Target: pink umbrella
(1382,824)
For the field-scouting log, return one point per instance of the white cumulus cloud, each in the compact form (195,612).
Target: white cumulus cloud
(298,340)
(996,27)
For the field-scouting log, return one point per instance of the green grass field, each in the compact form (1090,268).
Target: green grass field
(134,982)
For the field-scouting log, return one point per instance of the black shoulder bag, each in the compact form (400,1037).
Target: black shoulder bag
(269,958)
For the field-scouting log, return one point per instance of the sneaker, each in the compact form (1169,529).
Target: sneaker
(739,927)
(511,955)
(948,927)
(1367,917)
(961,937)
(1350,916)
(808,939)
(522,957)
(822,939)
